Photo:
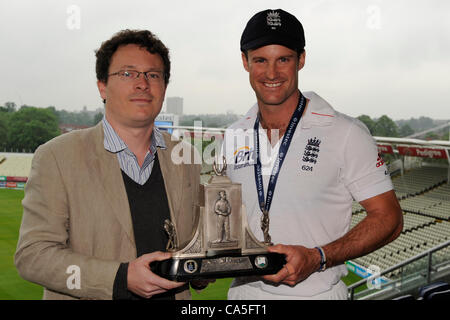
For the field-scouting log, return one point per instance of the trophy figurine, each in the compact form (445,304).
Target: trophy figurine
(222,244)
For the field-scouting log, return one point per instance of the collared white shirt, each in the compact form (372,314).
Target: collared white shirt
(332,160)
(127,159)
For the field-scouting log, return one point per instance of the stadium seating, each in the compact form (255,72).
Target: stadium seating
(16,164)
(419,180)
(419,234)
(424,191)
(424,197)
(432,203)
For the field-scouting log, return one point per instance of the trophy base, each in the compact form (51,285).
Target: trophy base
(225,266)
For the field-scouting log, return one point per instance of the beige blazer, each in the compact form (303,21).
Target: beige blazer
(76,215)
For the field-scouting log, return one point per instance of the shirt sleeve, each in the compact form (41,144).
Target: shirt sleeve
(365,174)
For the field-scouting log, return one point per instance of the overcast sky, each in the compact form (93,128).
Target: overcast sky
(369,57)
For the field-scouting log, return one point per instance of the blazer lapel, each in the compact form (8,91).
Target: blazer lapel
(105,166)
(173,178)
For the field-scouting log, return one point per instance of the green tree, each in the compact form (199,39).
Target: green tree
(370,124)
(426,123)
(420,124)
(83,118)
(446,136)
(405,130)
(53,110)
(432,136)
(10,106)
(385,127)
(30,127)
(97,118)
(3,132)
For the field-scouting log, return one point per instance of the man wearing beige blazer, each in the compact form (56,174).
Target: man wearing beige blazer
(96,199)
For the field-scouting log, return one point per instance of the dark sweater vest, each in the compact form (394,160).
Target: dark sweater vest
(149,208)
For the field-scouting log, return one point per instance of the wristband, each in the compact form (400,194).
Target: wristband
(323,260)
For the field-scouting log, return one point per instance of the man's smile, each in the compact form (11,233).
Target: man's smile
(272,84)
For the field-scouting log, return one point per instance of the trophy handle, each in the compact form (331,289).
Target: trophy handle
(222,170)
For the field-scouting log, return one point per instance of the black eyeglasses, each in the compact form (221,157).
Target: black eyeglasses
(150,76)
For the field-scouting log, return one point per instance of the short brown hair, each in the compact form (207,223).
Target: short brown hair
(143,38)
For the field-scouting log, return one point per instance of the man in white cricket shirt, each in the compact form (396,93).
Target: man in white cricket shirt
(318,159)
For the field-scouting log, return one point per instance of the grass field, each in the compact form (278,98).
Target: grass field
(13,287)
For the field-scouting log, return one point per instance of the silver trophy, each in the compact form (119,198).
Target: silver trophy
(222,245)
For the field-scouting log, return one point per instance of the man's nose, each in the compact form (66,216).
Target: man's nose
(271,71)
(141,82)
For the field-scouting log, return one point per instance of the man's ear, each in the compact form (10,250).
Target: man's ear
(245,61)
(301,60)
(102,89)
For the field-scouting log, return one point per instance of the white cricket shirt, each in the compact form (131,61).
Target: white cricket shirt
(332,160)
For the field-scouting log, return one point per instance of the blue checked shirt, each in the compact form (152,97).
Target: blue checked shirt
(127,159)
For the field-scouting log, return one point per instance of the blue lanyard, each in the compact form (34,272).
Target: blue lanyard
(287,138)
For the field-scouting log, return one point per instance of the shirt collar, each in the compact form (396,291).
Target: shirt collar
(158,138)
(114,143)
(318,113)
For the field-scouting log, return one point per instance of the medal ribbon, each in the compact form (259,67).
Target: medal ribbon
(287,138)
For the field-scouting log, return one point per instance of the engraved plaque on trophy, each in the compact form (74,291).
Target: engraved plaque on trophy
(222,245)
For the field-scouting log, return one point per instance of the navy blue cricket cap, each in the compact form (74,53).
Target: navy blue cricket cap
(273,27)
